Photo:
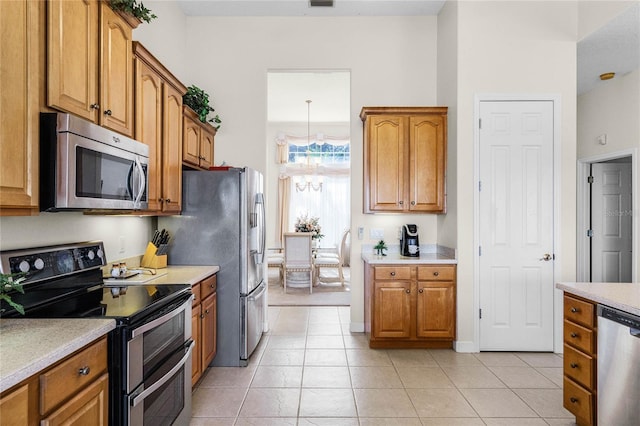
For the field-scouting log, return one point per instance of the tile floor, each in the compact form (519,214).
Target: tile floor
(310,370)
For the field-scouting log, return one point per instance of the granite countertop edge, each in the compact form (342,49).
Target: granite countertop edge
(56,338)
(430,253)
(622,296)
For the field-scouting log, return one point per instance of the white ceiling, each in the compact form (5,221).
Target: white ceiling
(613,48)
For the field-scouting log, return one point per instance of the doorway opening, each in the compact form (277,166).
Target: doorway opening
(308,177)
(606,226)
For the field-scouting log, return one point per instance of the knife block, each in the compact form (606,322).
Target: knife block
(151,260)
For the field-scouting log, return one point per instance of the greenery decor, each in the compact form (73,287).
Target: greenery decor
(9,283)
(380,248)
(132,7)
(198,100)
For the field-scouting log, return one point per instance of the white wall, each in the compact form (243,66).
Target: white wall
(513,48)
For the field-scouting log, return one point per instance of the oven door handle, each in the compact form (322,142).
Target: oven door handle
(141,396)
(156,322)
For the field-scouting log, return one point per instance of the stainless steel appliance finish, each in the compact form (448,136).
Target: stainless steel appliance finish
(618,373)
(85,166)
(222,223)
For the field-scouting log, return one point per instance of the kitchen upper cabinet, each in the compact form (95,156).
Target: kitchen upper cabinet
(198,140)
(409,306)
(90,71)
(404,159)
(21,50)
(159,125)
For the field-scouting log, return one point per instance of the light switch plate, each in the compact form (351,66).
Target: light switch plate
(376,233)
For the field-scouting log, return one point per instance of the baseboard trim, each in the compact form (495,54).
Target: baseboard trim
(464,347)
(356,327)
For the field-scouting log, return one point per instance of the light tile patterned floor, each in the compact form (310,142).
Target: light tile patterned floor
(310,370)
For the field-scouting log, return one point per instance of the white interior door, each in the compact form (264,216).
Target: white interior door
(516,225)
(611,222)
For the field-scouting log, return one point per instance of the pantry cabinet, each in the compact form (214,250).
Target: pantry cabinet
(158,123)
(74,391)
(204,323)
(198,140)
(21,49)
(405,158)
(90,71)
(410,306)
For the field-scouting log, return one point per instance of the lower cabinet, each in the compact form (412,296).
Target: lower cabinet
(75,391)
(203,326)
(410,306)
(580,359)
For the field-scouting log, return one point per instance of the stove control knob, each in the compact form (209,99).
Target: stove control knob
(24,266)
(100,253)
(39,264)
(91,255)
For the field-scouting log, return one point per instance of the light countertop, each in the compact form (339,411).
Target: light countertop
(433,254)
(623,296)
(28,346)
(173,274)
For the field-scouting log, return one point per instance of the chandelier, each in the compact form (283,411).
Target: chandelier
(309,183)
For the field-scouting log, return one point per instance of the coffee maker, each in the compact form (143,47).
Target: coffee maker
(409,244)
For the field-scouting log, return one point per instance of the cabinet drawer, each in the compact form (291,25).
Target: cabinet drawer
(208,286)
(579,337)
(64,380)
(195,289)
(392,273)
(579,311)
(579,366)
(436,273)
(578,400)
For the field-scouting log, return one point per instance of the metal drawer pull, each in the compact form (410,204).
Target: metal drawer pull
(84,371)
(574,310)
(94,106)
(573,365)
(108,112)
(393,274)
(574,335)
(573,400)
(408,291)
(435,274)
(421,290)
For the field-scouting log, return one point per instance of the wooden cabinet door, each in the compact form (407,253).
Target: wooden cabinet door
(20,47)
(435,310)
(116,72)
(72,71)
(385,153)
(426,163)
(206,148)
(209,324)
(89,407)
(149,100)
(196,354)
(14,407)
(191,141)
(172,150)
(391,315)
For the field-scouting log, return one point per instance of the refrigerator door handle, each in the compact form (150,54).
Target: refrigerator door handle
(260,208)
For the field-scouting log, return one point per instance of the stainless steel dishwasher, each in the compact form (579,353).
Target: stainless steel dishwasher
(618,372)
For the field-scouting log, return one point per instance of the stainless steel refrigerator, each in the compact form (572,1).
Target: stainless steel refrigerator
(222,223)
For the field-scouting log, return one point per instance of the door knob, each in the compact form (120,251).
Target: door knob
(546,257)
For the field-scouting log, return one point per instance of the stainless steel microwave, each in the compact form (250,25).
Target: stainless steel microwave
(84,166)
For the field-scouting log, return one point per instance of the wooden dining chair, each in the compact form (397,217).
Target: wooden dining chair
(298,256)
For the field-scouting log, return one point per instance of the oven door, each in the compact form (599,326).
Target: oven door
(165,397)
(159,337)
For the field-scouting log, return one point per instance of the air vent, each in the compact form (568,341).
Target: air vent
(321,3)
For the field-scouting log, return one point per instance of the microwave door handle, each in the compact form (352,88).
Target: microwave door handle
(141,396)
(140,177)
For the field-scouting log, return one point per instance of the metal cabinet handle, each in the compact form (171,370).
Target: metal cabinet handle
(573,365)
(408,291)
(413,203)
(436,273)
(421,290)
(161,200)
(94,106)
(84,371)
(206,311)
(108,112)
(168,200)
(201,316)
(393,274)
(573,400)
(401,202)
(574,335)
(574,310)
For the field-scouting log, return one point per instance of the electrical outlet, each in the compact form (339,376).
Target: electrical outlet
(122,244)
(376,233)
(360,232)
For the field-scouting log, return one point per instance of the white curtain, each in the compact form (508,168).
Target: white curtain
(331,206)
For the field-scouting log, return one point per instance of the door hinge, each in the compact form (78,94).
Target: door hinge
(479,185)
(480,312)
(590,233)
(479,250)
(479,123)
(589,179)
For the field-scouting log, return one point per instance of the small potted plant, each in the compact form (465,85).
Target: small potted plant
(380,248)
(133,8)
(8,284)
(198,100)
